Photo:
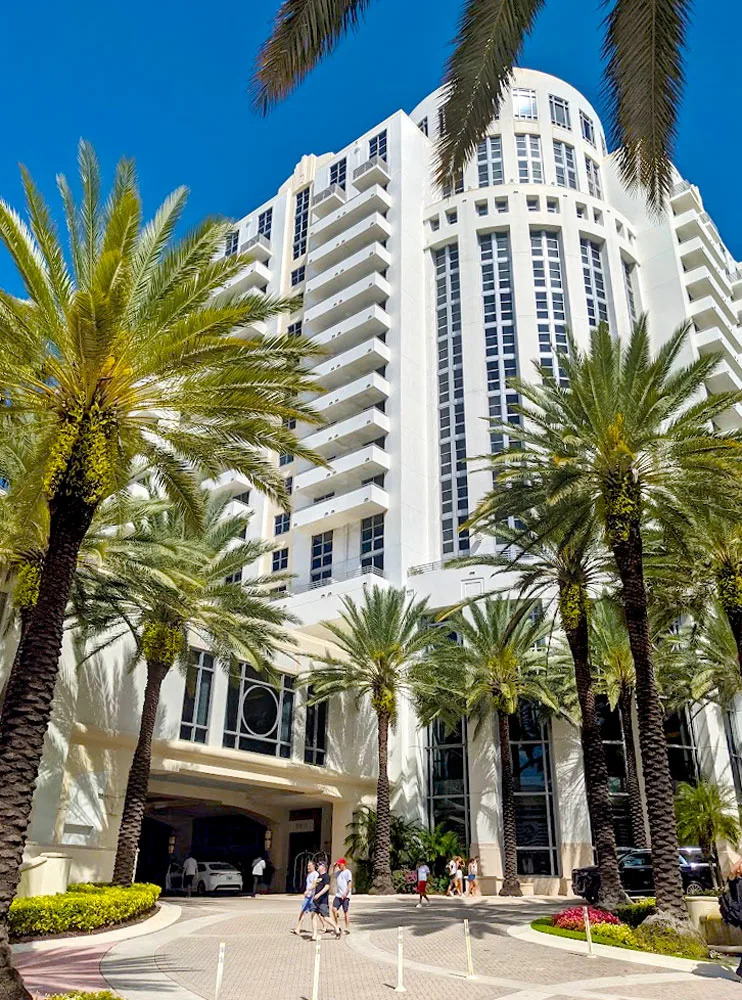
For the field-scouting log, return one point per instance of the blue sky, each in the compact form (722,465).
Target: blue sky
(166,81)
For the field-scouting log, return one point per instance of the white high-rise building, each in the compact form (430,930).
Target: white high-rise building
(425,301)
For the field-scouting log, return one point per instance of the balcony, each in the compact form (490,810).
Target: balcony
(350,569)
(258,247)
(373,171)
(351,332)
(328,200)
(329,514)
(691,224)
(705,313)
(716,340)
(229,483)
(353,268)
(253,278)
(369,291)
(375,199)
(345,473)
(373,229)
(348,435)
(703,281)
(359,394)
(356,361)
(684,196)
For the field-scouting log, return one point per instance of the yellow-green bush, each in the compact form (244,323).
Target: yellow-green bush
(616,934)
(84,907)
(84,995)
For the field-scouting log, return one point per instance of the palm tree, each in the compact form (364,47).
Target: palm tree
(162,582)
(644,77)
(129,356)
(378,641)
(631,440)
(570,563)
(497,664)
(707,814)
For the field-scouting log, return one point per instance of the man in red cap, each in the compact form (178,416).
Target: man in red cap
(343,886)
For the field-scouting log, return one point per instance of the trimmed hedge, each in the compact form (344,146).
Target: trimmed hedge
(84,907)
(634,914)
(659,941)
(83,995)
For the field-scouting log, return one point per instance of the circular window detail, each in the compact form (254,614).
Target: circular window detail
(260,711)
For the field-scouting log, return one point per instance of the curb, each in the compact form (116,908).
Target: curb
(526,933)
(165,916)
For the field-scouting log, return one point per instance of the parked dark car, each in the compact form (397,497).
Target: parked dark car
(637,876)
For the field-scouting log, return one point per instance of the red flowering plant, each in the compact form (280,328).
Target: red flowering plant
(573,918)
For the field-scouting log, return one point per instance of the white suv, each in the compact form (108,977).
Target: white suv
(213,876)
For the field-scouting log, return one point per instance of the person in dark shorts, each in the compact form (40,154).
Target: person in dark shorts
(190,870)
(320,902)
(343,888)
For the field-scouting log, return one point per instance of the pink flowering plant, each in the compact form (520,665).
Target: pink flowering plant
(573,918)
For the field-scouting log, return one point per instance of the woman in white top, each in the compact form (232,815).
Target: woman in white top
(459,877)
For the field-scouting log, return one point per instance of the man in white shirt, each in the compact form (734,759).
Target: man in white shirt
(190,870)
(343,888)
(258,867)
(422,883)
(308,901)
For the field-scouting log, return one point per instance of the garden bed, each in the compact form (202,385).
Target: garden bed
(83,909)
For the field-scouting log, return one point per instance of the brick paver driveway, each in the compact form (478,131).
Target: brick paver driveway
(265,962)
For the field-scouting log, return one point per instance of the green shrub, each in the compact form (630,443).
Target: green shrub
(438,883)
(634,914)
(362,876)
(664,941)
(82,995)
(83,907)
(616,934)
(404,881)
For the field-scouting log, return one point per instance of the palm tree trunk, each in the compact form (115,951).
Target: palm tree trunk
(27,711)
(381,875)
(510,885)
(627,552)
(734,617)
(15,675)
(611,893)
(135,801)
(636,806)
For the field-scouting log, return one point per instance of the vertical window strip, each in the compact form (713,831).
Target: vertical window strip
(321,556)
(535,820)
(594,276)
(629,272)
(489,161)
(301,223)
(501,350)
(565,166)
(265,223)
(587,127)
(377,146)
(372,542)
(551,308)
(338,173)
(530,164)
(448,779)
(593,177)
(194,719)
(231,244)
(451,409)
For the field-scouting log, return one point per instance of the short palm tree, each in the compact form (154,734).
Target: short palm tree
(631,441)
(125,353)
(164,584)
(707,814)
(378,641)
(498,663)
(644,78)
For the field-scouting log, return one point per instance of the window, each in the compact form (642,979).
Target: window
(235,577)
(552,205)
(448,779)
(423,126)
(452,217)
(294,329)
(298,275)
(489,161)
(611,731)
(533,204)
(524,104)
(629,277)
(551,312)
(481,207)
(231,244)
(194,719)
(372,541)
(456,186)
(301,222)
(243,497)
(535,827)
(289,484)
(593,177)
(530,165)
(681,747)
(265,222)
(501,205)
(315,732)
(286,459)
(594,278)
(377,146)
(564,162)
(441,121)
(282,523)
(321,558)
(587,127)
(581,210)
(500,346)
(259,715)
(280,560)
(435,224)
(559,110)
(338,173)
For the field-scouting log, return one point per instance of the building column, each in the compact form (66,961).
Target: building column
(342,815)
(570,801)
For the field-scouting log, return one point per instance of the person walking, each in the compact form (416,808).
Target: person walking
(320,905)
(730,902)
(423,873)
(190,870)
(306,905)
(451,869)
(343,889)
(472,878)
(459,877)
(258,867)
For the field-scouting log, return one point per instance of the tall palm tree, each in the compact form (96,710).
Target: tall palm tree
(497,664)
(163,582)
(571,564)
(643,49)
(378,641)
(707,814)
(631,440)
(125,353)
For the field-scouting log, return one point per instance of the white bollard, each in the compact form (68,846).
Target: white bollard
(219,971)
(315,981)
(588,934)
(400,987)
(469,963)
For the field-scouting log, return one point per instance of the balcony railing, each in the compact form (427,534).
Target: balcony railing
(259,246)
(372,171)
(348,570)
